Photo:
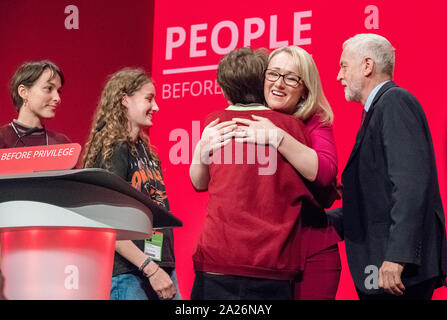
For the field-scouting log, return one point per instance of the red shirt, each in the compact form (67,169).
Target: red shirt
(252,227)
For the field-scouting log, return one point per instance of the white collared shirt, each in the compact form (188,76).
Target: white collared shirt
(372,95)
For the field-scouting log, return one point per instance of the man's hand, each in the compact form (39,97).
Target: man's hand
(390,278)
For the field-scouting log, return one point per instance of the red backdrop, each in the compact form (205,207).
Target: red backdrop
(162,37)
(110,36)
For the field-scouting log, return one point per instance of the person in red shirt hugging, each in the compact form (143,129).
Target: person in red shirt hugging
(292,85)
(251,235)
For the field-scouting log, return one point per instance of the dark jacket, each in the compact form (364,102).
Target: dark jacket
(392,209)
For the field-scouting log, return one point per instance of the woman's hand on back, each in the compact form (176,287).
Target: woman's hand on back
(216,135)
(260,130)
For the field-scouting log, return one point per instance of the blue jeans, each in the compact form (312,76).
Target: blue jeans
(135,286)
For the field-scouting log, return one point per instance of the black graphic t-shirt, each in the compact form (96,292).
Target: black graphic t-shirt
(145,175)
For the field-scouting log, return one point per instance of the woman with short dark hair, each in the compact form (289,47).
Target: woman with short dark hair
(35,92)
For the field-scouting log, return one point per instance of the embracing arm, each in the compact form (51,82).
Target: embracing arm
(214,136)
(323,143)
(198,171)
(300,156)
(317,164)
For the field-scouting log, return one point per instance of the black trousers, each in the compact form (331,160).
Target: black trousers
(420,291)
(226,287)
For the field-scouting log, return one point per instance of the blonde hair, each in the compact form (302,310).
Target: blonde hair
(113,114)
(315,101)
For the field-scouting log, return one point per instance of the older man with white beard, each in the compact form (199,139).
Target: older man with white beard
(392,217)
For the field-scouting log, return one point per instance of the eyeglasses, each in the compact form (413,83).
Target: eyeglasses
(291,80)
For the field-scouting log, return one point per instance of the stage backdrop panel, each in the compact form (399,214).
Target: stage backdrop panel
(190,37)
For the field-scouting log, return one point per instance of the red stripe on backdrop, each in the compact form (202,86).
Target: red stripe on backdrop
(115,34)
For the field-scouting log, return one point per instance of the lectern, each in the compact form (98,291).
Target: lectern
(58,231)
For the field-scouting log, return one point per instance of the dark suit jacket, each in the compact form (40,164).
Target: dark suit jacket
(392,209)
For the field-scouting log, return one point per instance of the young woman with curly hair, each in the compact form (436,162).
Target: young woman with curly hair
(119,144)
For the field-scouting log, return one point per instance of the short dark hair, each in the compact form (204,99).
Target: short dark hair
(240,74)
(27,74)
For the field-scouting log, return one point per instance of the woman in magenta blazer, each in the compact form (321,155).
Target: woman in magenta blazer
(292,85)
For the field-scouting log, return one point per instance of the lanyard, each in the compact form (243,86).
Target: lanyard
(144,149)
(28,132)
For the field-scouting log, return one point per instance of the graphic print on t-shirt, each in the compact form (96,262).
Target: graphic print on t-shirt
(147,178)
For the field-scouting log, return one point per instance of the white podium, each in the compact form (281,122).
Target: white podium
(58,231)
